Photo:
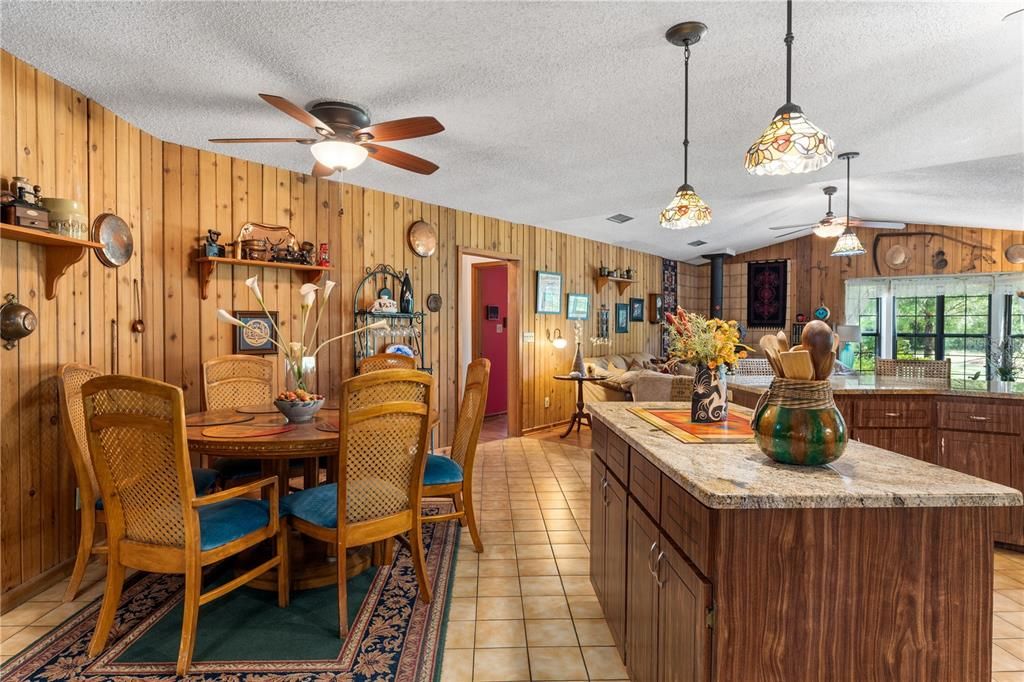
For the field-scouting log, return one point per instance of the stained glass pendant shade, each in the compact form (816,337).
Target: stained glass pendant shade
(848,244)
(687,209)
(790,143)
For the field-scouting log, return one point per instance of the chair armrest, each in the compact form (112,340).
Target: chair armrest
(238,491)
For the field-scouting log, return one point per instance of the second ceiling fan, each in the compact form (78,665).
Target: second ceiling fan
(347,137)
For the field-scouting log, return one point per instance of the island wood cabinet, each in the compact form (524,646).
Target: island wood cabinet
(608,542)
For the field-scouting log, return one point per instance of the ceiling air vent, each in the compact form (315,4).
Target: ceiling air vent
(620,218)
(698,242)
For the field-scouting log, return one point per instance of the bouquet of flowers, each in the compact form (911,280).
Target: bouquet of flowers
(696,340)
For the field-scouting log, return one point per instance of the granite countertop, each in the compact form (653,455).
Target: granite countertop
(740,476)
(883,385)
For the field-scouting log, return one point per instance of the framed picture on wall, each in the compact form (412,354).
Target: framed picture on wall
(578,307)
(492,312)
(549,293)
(621,318)
(656,308)
(636,310)
(257,336)
(602,322)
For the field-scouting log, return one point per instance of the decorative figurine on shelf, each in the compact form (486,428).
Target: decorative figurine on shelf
(21,206)
(308,251)
(384,303)
(212,248)
(603,270)
(406,302)
(325,258)
(288,254)
(628,272)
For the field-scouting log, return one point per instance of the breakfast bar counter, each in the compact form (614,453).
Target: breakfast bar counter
(712,562)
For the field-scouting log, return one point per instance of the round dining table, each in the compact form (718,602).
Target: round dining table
(235,433)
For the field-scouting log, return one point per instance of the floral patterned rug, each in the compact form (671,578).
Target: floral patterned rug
(245,637)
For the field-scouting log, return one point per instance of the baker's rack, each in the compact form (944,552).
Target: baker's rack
(406,328)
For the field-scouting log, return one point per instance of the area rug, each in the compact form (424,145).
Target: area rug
(245,637)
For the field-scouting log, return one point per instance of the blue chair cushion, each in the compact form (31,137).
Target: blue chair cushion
(441,471)
(202,480)
(229,520)
(317,505)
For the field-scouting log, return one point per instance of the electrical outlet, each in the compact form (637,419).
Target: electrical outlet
(547,401)
(78,499)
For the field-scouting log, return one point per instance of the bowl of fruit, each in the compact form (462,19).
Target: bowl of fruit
(298,406)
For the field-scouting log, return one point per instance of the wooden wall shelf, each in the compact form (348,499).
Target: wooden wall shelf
(59,252)
(207,264)
(621,282)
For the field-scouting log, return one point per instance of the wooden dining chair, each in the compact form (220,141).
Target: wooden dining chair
(452,475)
(135,429)
(232,381)
(374,363)
(383,423)
(70,378)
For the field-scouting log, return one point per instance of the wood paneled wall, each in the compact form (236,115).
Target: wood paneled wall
(817,278)
(171,195)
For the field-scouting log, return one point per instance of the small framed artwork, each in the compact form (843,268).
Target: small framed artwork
(656,308)
(492,312)
(602,322)
(636,310)
(257,336)
(621,318)
(549,293)
(578,307)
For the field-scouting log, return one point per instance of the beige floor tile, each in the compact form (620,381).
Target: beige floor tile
(573,567)
(464,587)
(578,585)
(8,630)
(549,632)
(531,567)
(1013,646)
(54,592)
(23,638)
(1003,581)
(557,663)
(529,525)
(500,665)
(497,538)
(1016,595)
(1004,629)
(1002,660)
(498,552)
(466,568)
(1000,603)
(561,524)
(1008,677)
(505,586)
(565,537)
(585,607)
(61,613)
(492,568)
(457,665)
(593,632)
(526,514)
(462,608)
(496,525)
(603,663)
(491,634)
(534,552)
(548,606)
(460,634)
(557,514)
(570,551)
(530,537)
(499,608)
(541,585)
(29,612)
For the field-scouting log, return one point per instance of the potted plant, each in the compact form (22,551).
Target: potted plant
(709,346)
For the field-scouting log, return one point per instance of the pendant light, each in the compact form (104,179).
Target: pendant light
(791,143)
(687,208)
(848,244)
(829,226)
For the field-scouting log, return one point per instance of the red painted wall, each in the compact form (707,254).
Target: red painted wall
(493,283)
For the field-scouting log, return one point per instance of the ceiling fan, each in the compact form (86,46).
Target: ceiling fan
(347,137)
(833,226)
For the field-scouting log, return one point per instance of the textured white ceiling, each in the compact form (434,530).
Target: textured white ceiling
(559,114)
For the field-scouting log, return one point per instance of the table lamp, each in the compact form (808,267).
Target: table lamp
(849,334)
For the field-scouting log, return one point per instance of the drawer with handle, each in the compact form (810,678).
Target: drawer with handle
(967,415)
(687,523)
(895,413)
(617,456)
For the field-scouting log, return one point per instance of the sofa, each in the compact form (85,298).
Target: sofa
(626,374)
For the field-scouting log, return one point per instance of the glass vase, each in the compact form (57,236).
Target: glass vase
(300,374)
(577,361)
(709,403)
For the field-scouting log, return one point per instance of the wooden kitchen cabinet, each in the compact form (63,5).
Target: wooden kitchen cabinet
(642,601)
(598,538)
(916,443)
(684,619)
(608,547)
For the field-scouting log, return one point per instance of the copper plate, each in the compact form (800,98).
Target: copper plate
(116,237)
(1015,253)
(434,302)
(423,238)
(204,420)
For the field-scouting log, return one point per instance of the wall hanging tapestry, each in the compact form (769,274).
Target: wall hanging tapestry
(669,286)
(766,295)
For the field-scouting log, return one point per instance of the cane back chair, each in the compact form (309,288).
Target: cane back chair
(453,475)
(71,377)
(155,521)
(913,369)
(374,363)
(383,422)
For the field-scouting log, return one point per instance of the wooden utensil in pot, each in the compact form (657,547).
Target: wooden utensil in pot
(823,366)
(798,365)
(771,352)
(817,339)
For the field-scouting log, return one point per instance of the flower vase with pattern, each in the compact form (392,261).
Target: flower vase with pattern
(709,403)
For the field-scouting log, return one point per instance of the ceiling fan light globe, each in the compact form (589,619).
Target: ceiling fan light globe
(848,245)
(830,228)
(686,210)
(339,155)
(790,144)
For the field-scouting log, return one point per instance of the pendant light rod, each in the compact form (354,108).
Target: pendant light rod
(848,157)
(686,114)
(789,51)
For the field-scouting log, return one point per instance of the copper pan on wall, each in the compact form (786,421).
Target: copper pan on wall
(116,237)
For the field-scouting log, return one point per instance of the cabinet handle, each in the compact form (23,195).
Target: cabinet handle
(657,570)
(892,414)
(650,553)
(977,418)
(604,491)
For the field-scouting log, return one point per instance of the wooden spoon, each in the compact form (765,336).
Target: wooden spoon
(823,366)
(798,365)
(817,337)
(771,352)
(783,341)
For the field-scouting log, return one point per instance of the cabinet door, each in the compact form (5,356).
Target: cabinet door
(642,605)
(995,458)
(615,562)
(684,635)
(916,443)
(598,539)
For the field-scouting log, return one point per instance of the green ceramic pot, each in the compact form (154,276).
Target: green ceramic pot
(797,435)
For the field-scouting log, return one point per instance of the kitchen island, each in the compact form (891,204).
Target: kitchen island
(711,562)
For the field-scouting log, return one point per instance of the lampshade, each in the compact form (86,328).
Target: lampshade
(339,155)
(686,210)
(848,333)
(848,245)
(790,144)
(830,227)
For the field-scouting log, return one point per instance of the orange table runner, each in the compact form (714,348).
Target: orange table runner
(676,423)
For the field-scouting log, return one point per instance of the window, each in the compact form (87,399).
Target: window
(1011,363)
(966,336)
(867,319)
(916,328)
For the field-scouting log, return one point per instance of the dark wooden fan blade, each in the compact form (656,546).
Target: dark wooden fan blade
(400,159)
(234,140)
(402,129)
(321,171)
(297,112)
